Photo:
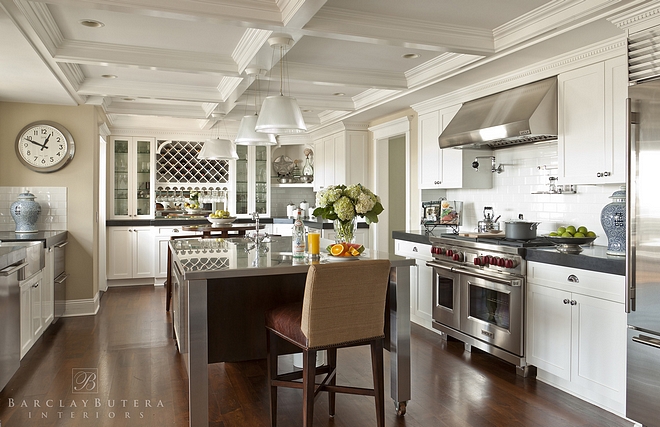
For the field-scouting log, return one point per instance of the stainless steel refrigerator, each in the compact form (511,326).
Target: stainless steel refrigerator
(643,255)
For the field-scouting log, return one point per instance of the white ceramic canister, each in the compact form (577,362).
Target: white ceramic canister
(304,207)
(290,210)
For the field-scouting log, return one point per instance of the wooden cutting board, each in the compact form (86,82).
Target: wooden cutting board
(475,234)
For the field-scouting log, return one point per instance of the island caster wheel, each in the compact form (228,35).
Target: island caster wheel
(400,408)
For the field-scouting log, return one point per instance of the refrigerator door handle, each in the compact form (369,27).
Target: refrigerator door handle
(652,342)
(631,188)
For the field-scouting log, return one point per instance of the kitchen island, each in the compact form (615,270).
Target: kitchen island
(222,287)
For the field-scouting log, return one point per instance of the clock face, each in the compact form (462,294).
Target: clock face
(44,146)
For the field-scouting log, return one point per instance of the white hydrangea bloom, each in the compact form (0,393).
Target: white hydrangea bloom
(344,209)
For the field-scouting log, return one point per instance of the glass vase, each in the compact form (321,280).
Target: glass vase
(345,230)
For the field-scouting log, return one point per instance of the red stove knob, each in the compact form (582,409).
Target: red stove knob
(449,253)
(478,261)
(457,256)
(435,250)
(508,263)
(501,262)
(485,260)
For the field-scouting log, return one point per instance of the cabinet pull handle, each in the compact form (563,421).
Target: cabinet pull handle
(414,249)
(646,341)
(573,302)
(573,279)
(176,230)
(567,301)
(36,285)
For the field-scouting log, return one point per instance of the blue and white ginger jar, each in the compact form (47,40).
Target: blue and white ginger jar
(613,220)
(25,212)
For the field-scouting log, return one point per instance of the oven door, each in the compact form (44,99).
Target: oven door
(446,295)
(492,311)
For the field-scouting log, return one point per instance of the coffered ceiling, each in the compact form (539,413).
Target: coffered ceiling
(181,64)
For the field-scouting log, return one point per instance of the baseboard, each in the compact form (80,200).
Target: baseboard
(150,281)
(82,307)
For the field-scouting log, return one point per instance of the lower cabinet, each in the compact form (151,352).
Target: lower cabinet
(421,280)
(130,253)
(576,332)
(34,296)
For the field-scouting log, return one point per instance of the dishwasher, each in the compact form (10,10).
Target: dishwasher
(10,321)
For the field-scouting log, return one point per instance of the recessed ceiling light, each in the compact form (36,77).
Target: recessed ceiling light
(410,56)
(91,23)
(339,94)
(108,76)
(307,111)
(128,99)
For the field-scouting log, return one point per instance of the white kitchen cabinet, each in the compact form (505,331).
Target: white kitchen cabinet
(252,177)
(576,332)
(32,324)
(48,288)
(340,158)
(130,174)
(421,280)
(130,253)
(448,168)
(282,229)
(592,123)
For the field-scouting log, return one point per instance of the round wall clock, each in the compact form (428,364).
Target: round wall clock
(45,146)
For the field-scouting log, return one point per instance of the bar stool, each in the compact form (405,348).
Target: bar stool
(343,306)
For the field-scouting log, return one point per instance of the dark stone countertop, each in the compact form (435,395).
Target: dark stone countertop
(591,258)
(48,237)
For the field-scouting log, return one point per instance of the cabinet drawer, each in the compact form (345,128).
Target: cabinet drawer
(600,285)
(412,250)
(173,231)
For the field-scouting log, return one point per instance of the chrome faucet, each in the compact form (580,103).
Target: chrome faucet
(257,238)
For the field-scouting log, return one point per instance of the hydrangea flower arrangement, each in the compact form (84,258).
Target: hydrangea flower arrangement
(341,203)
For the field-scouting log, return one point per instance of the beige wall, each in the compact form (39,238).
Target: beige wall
(78,176)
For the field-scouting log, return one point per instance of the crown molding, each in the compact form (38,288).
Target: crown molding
(227,86)
(341,126)
(598,52)
(251,42)
(301,72)
(395,127)
(644,15)
(445,64)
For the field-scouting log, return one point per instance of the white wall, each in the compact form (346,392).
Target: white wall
(512,194)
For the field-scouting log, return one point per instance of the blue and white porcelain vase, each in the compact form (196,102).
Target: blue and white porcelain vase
(25,212)
(613,220)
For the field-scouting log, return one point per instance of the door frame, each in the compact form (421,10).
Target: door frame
(381,136)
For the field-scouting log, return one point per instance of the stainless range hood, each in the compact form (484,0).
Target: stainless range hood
(516,116)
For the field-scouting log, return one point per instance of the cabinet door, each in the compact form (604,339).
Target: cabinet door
(242,180)
(549,330)
(329,160)
(616,92)
(37,326)
(48,290)
(162,247)
(430,154)
(119,177)
(599,347)
(581,125)
(119,253)
(423,306)
(26,319)
(143,252)
(131,173)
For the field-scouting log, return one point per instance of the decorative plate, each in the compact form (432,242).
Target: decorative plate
(333,258)
(283,165)
(218,221)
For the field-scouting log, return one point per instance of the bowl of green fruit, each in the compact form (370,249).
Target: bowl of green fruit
(220,217)
(570,239)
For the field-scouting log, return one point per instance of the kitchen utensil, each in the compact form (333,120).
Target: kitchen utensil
(520,230)
(488,223)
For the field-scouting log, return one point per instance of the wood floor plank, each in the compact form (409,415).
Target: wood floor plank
(129,342)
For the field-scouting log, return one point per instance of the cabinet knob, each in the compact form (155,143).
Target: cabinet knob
(573,279)
(573,302)
(607,173)
(414,249)
(599,175)
(437,182)
(567,301)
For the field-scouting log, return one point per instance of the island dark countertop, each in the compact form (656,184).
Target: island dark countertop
(417,236)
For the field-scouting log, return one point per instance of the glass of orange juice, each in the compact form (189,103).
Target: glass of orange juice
(313,244)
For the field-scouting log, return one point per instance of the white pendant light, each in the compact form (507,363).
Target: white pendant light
(280,114)
(247,135)
(218,149)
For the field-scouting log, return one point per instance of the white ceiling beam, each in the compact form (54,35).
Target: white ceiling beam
(150,90)
(399,31)
(93,53)
(297,13)
(192,111)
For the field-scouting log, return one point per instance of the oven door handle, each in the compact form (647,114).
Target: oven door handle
(473,273)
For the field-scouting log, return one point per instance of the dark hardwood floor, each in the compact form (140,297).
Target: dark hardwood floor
(141,381)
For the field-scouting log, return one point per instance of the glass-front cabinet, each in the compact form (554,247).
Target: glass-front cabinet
(131,173)
(252,180)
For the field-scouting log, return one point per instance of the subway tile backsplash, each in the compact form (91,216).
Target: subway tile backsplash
(53,201)
(512,193)
(281,196)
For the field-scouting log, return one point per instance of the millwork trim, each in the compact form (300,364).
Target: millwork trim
(82,307)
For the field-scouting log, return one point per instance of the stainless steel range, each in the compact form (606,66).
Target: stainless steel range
(479,293)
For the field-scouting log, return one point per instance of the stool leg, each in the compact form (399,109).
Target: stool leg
(332,364)
(379,382)
(271,359)
(309,379)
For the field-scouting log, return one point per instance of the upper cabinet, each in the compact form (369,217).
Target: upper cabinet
(592,122)
(131,173)
(448,168)
(252,180)
(340,158)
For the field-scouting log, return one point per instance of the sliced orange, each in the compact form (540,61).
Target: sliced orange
(353,251)
(337,249)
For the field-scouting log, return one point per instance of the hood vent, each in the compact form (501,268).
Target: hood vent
(522,115)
